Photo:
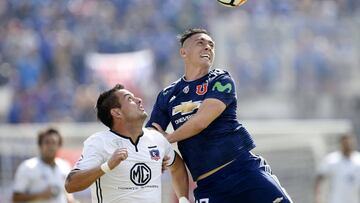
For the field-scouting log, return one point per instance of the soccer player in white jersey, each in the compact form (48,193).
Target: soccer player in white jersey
(41,179)
(342,169)
(124,164)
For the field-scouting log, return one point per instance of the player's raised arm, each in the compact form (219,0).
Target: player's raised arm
(78,180)
(208,111)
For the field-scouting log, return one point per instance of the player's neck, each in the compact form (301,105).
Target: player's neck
(347,154)
(194,73)
(130,129)
(48,161)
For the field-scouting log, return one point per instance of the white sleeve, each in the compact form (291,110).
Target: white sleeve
(169,151)
(92,155)
(64,166)
(22,178)
(324,167)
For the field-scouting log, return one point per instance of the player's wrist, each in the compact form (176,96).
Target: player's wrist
(183,200)
(170,137)
(105,167)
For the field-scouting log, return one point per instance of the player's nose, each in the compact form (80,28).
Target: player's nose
(208,47)
(139,100)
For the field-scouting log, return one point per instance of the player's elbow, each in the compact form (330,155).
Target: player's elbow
(69,187)
(178,167)
(72,186)
(15,197)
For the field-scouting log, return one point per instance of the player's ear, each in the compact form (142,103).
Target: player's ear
(116,112)
(182,52)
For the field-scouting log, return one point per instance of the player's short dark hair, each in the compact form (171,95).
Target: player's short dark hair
(106,101)
(190,32)
(47,132)
(345,136)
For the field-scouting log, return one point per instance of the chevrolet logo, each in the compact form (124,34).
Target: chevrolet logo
(278,200)
(186,107)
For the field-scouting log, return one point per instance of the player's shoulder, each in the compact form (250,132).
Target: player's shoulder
(171,87)
(356,157)
(30,163)
(333,157)
(218,73)
(97,137)
(154,135)
(63,164)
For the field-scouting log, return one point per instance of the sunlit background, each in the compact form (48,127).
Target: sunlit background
(296,64)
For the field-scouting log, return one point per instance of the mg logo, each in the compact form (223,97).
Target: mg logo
(140,174)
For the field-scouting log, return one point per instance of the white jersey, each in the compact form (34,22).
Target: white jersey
(136,179)
(34,176)
(344,177)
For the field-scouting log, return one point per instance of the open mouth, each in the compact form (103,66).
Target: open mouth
(207,56)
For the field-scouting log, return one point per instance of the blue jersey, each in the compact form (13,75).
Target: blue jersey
(223,140)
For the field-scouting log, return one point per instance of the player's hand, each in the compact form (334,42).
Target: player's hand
(118,156)
(159,128)
(46,194)
(165,162)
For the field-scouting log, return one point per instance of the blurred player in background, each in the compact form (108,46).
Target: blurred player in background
(342,169)
(41,179)
(216,148)
(124,164)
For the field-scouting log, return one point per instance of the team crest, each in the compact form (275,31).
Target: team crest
(118,143)
(154,154)
(201,89)
(186,89)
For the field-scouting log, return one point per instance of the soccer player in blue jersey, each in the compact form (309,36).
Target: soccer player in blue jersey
(201,107)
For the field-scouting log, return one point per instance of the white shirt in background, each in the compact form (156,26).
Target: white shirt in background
(34,176)
(343,175)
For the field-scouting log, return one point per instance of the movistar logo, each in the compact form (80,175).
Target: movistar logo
(221,88)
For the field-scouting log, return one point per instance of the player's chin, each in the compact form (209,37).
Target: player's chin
(206,62)
(144,114)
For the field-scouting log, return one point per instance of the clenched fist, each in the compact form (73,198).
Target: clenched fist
(117,157)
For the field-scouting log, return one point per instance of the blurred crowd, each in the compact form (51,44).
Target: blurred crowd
(43,44)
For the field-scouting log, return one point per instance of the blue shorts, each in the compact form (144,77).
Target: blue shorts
(248,179)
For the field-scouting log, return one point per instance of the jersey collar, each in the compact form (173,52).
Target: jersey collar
(125,137)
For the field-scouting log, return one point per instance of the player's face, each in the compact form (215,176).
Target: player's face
(347,144)
(199,50)
(49,147)
(131,106)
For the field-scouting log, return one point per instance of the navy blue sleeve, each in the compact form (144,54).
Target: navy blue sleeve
(222,88)
(159,113)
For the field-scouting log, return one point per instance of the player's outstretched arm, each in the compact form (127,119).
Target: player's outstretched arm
(78,180)
(23,196)
(208,111)
(179,176)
